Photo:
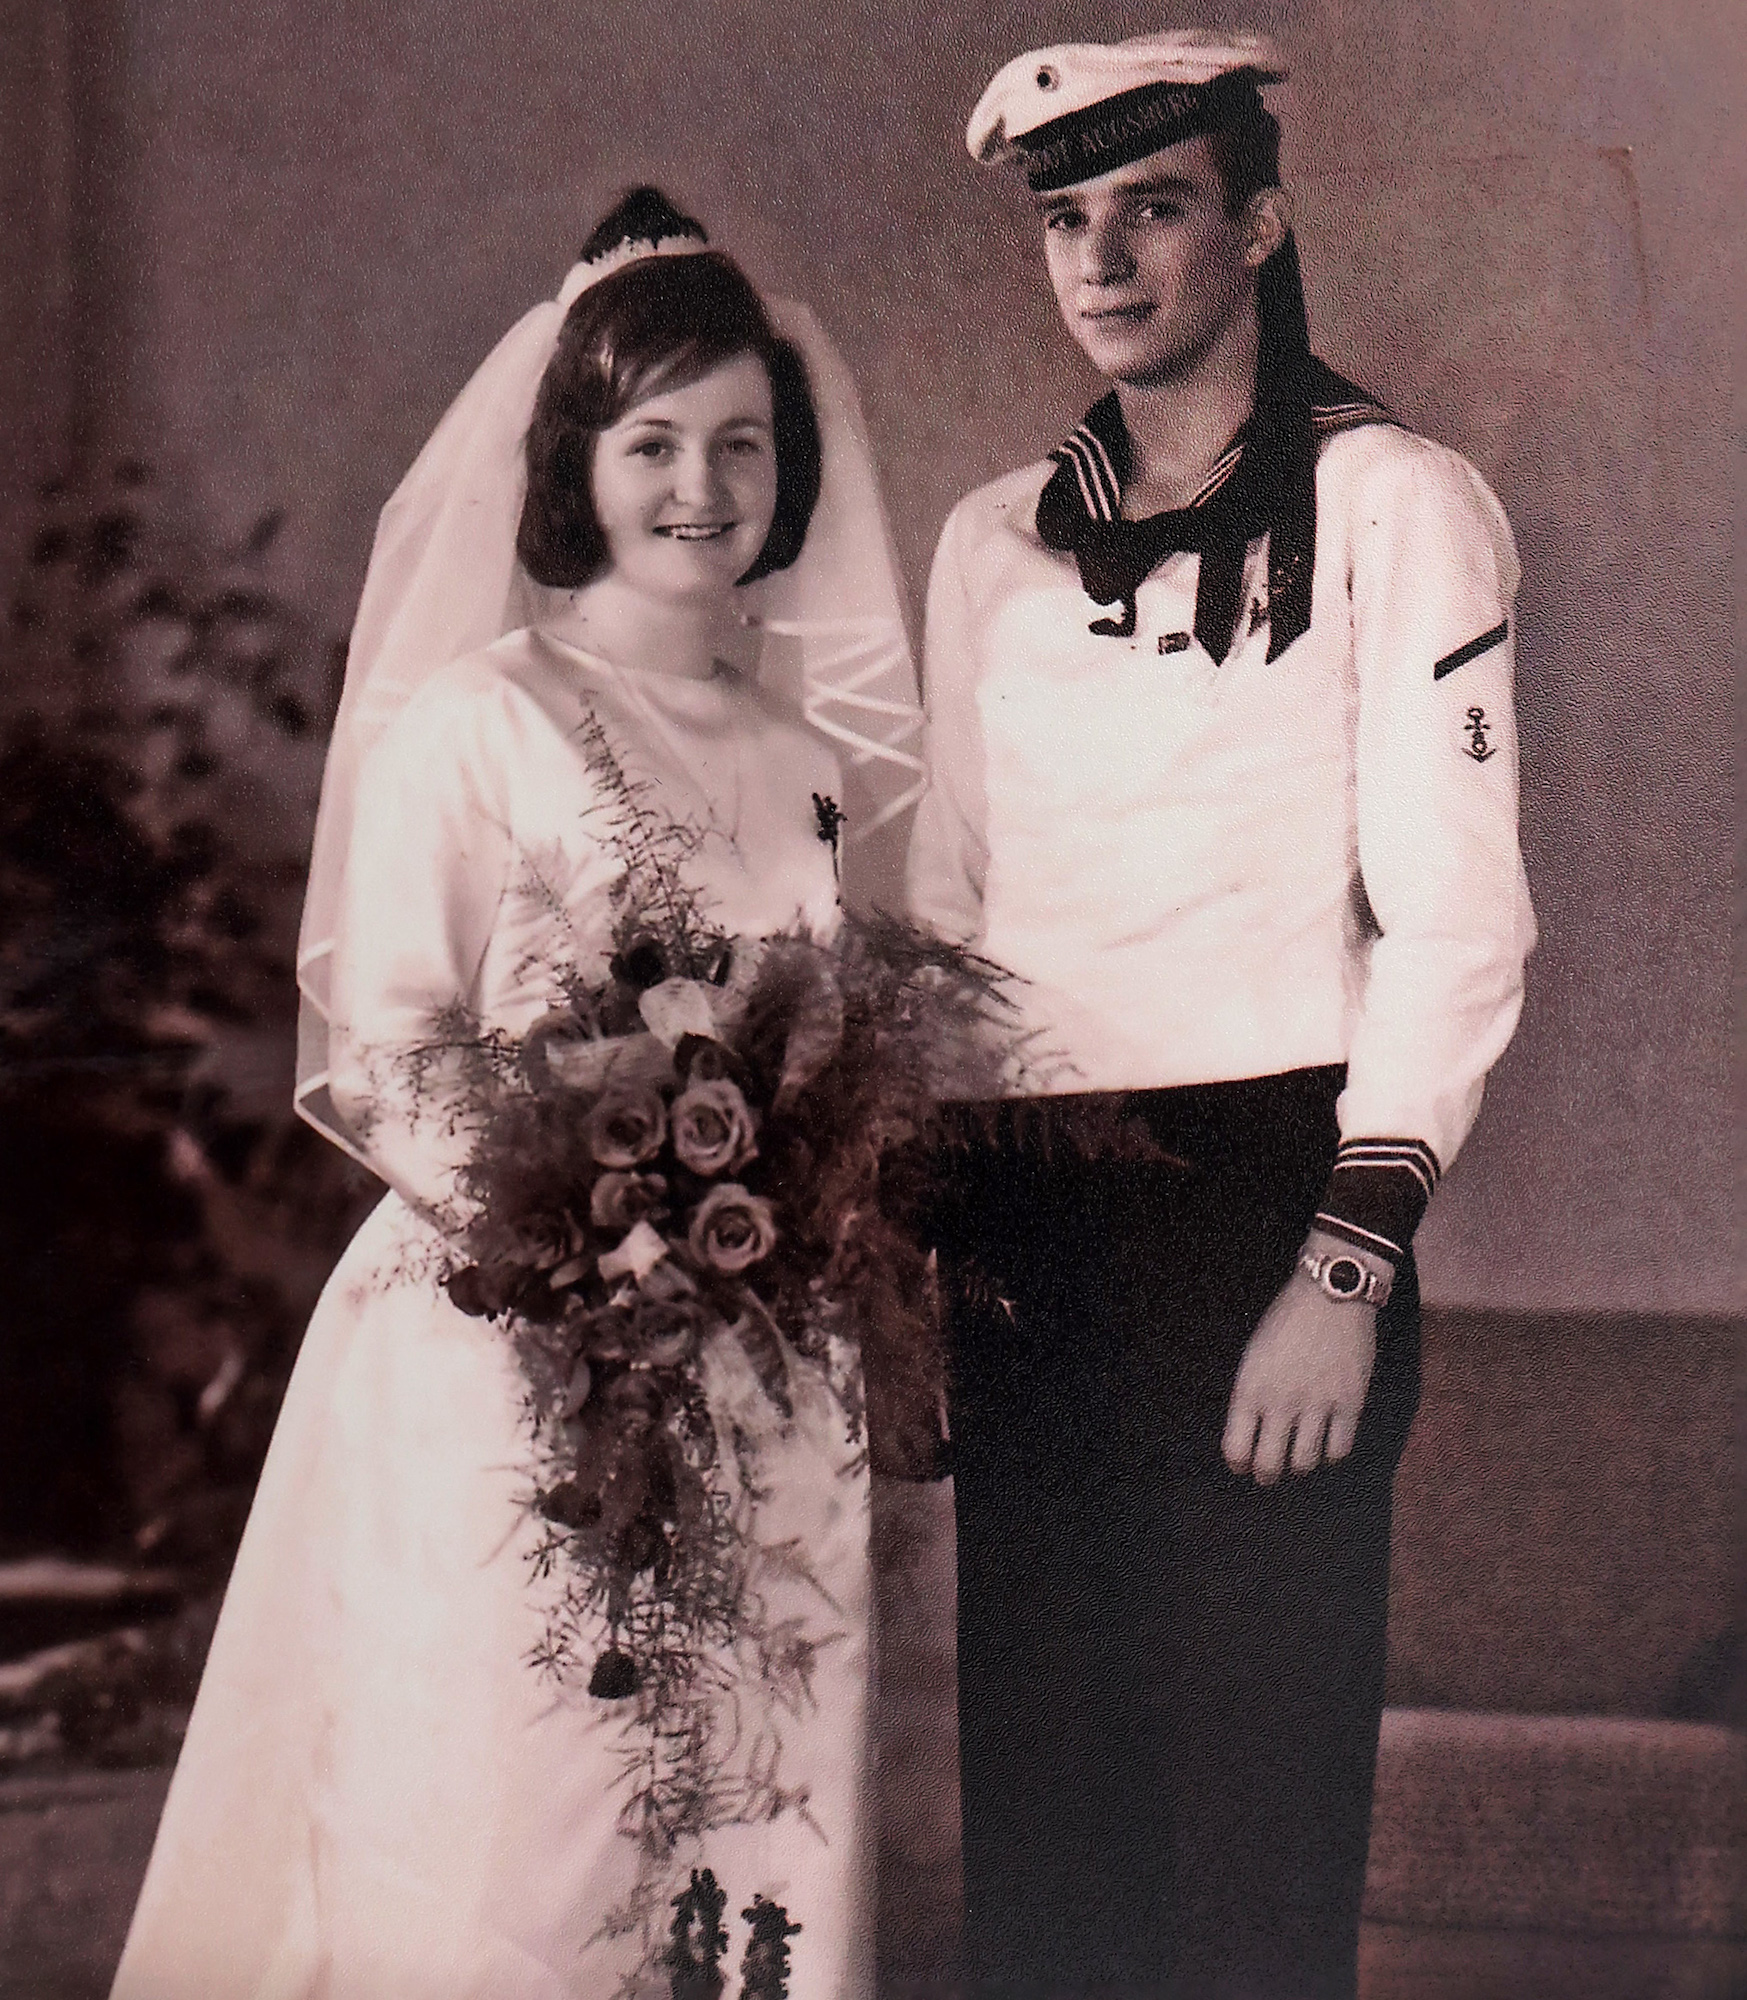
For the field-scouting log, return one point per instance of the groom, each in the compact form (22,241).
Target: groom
(1223,767)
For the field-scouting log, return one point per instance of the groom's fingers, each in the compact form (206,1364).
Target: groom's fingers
(1272,1440)
(1307,1440)
(1239,1443)
(1343,1428)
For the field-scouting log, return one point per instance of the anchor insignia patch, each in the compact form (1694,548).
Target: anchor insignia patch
(1479,747)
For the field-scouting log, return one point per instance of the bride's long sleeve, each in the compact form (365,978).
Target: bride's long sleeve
(428,866)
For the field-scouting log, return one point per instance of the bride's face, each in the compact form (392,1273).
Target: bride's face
(684,483)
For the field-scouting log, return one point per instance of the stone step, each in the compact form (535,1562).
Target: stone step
(1559,1823)
(1401,1962)
(51,1600)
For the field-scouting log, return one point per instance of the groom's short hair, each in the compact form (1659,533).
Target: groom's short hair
(659,323)
(1247,155)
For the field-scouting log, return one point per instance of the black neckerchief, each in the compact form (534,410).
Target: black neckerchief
(1265,483)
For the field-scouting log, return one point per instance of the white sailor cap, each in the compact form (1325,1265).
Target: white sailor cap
(1084,108)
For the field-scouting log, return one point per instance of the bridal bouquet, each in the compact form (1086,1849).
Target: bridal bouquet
(722,1141)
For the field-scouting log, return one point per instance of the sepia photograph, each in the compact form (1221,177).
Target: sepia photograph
(867,914)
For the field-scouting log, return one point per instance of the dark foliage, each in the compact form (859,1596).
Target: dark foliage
(163,1223)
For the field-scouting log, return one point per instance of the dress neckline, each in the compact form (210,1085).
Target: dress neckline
(679,691)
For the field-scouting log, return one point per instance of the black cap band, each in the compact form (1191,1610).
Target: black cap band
(1117,131)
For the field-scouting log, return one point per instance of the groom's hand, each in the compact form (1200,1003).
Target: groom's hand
(1298,1394)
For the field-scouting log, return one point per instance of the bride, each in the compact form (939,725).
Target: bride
(380,1798)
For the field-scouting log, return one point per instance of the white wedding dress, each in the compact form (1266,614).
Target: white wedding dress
(379,1797)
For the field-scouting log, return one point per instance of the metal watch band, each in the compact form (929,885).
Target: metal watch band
(1370,1288)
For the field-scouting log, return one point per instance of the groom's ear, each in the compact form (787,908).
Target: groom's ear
(1267,219)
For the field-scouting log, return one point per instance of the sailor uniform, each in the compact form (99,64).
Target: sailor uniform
(1232,789)
(1269,919)
(1203,869)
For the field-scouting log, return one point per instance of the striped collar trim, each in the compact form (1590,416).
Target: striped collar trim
(1263,483)
(1229,461)
(1094,465)
(1326,417)
(1099,470)
(1083,453)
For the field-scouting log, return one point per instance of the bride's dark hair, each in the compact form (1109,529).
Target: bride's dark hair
(658,323)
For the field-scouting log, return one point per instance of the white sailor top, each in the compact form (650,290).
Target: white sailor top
(1205,871)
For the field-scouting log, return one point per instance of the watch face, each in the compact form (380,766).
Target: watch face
(1345,1277)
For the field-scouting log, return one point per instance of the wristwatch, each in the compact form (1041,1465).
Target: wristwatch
(1347,1280)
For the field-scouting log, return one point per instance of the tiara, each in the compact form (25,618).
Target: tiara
(591,271)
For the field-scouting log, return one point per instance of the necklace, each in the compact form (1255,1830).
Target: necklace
(732,756)
(711,768)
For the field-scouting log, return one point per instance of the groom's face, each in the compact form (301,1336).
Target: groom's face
(1147,263)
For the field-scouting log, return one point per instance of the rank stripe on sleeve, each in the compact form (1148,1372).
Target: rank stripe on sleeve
(1378,1191)
(1472,651)
(1412,1156)
(1364,1239)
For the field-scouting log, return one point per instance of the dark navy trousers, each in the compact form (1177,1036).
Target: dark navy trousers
(1170,1679)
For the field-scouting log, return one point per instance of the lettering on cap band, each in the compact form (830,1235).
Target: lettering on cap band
(1120,130)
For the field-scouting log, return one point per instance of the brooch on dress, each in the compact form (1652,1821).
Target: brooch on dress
(829,817)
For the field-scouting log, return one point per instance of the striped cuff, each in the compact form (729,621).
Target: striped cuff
(1378,1192)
